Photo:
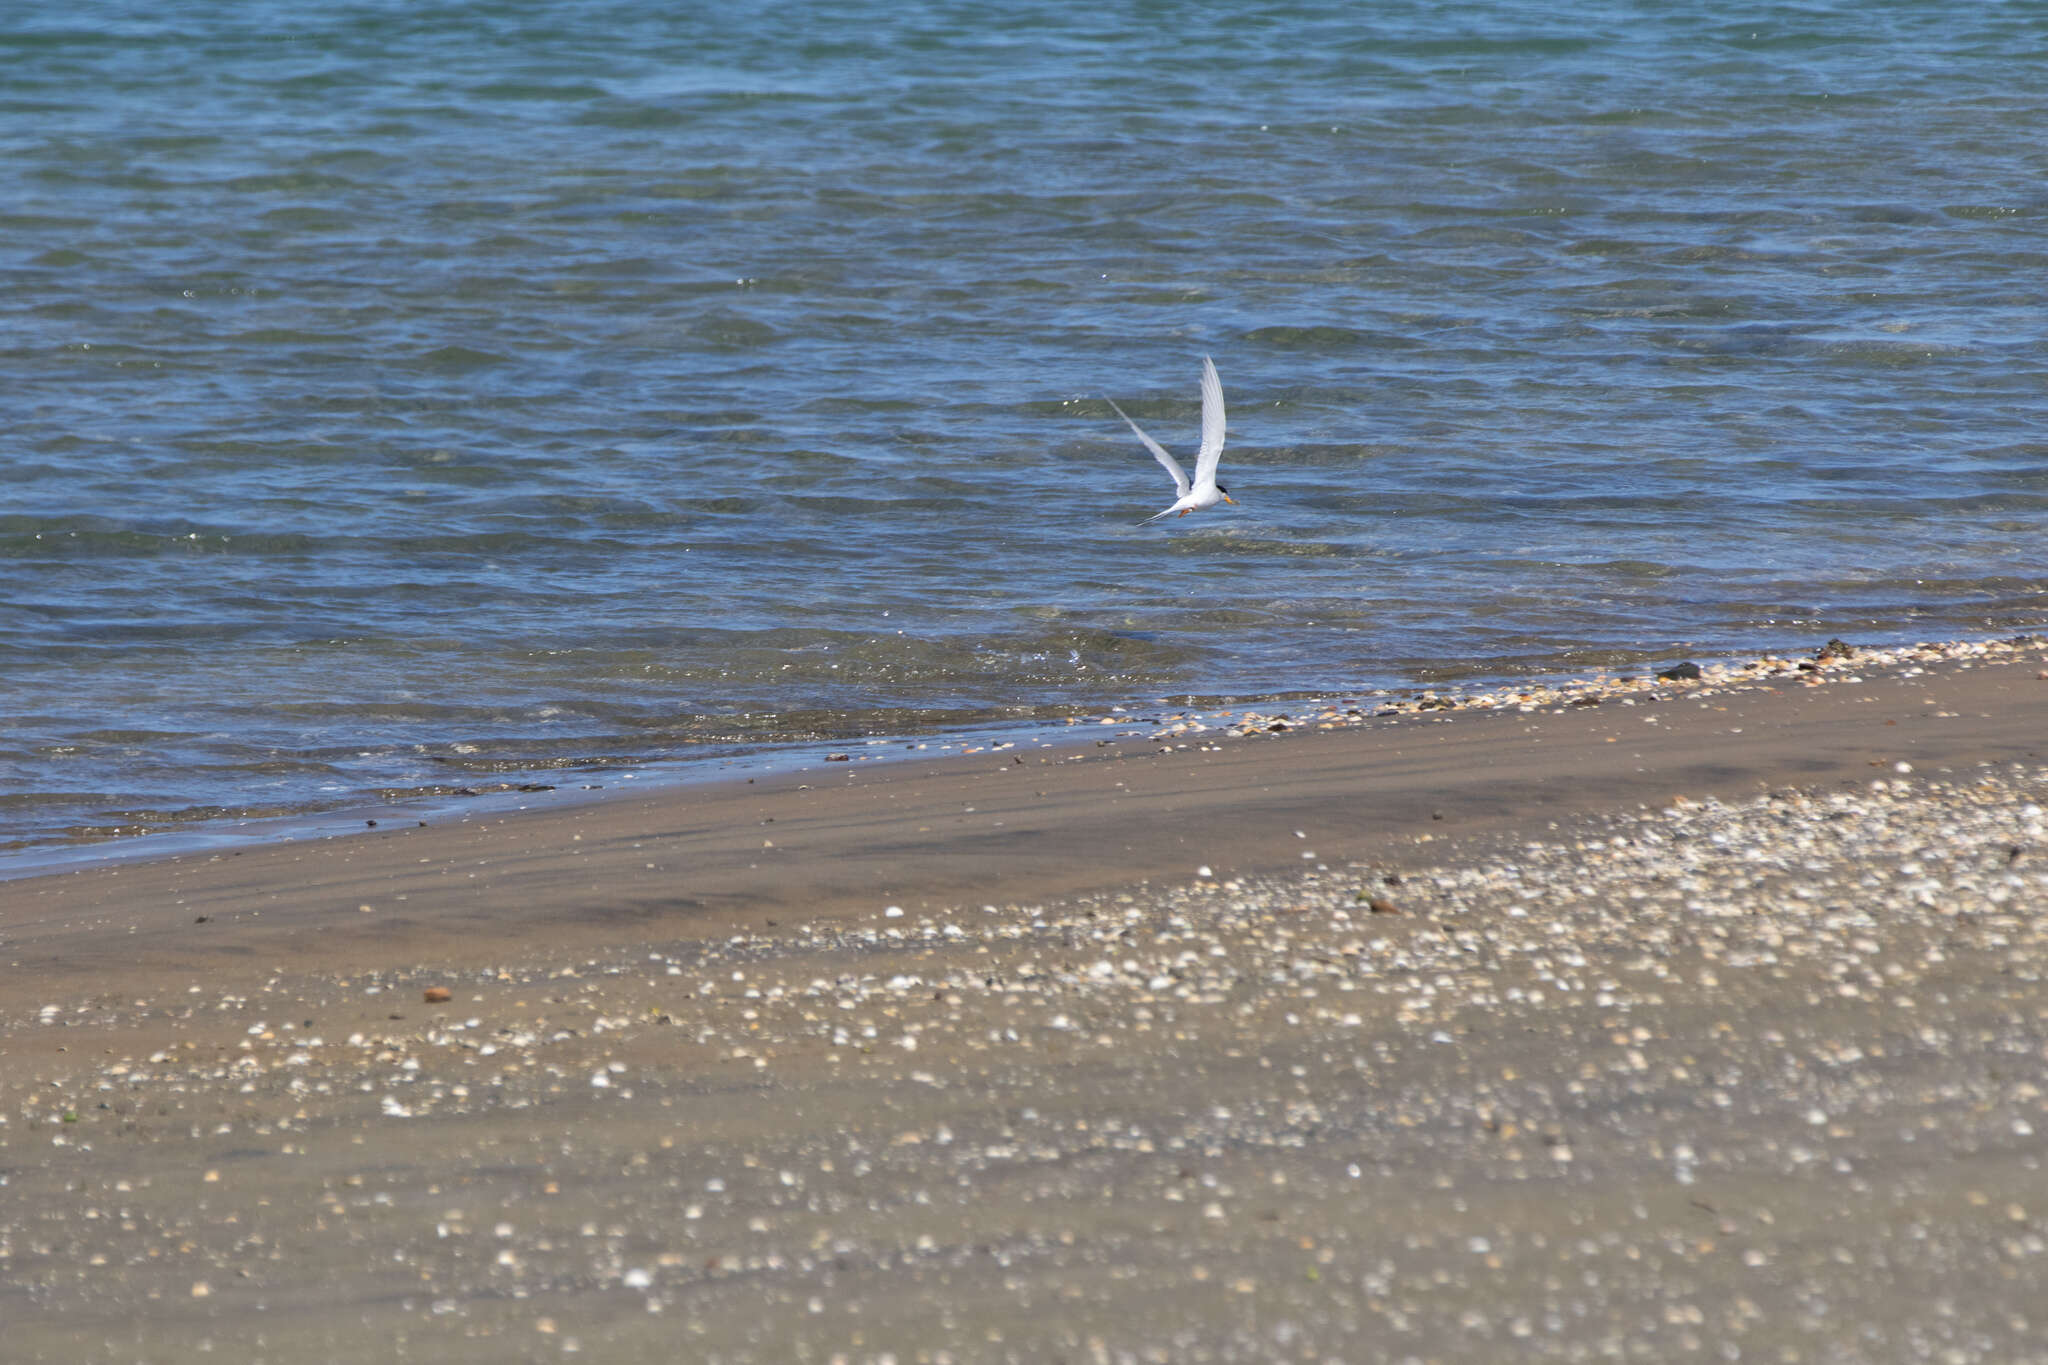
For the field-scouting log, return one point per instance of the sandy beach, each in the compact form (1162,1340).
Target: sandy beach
(1639,1019)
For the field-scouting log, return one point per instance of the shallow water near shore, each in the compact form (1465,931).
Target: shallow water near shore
(411,400)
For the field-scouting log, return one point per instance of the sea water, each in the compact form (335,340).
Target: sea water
(408,396)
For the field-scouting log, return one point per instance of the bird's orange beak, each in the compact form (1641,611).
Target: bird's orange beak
(1232,501)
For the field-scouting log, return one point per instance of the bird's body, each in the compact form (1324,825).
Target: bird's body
(1204,491)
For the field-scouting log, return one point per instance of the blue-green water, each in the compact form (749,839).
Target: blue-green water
(407,395)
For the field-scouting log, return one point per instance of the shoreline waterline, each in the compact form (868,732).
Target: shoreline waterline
(1161,721)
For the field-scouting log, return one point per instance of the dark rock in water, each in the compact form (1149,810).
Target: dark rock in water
(838,758)
(1685,672)
(1835,649)
(1584,701)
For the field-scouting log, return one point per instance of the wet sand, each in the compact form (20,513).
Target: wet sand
(1664,1020)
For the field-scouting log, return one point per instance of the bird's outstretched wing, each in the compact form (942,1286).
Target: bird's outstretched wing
(1212,425)
(1180,477)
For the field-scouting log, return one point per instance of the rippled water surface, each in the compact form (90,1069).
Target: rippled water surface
(408,395)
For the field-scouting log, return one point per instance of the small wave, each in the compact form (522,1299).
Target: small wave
(727,331)
(542,91)
(454,360)
(1311,338)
